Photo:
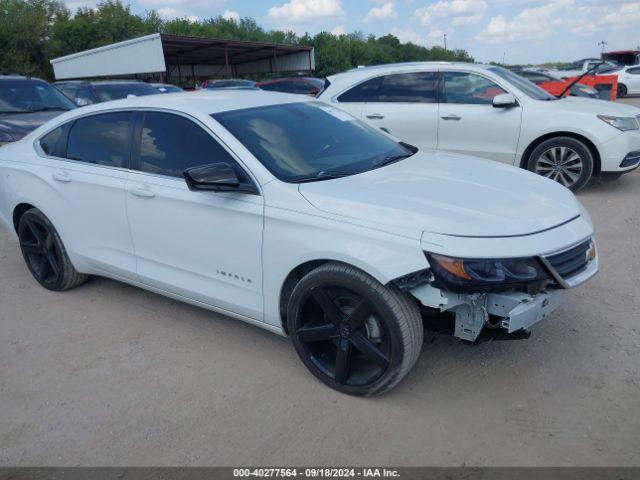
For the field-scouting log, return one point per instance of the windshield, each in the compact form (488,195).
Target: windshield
(117,91)
(24,96)
(231,83)
(310,140)
(525,86)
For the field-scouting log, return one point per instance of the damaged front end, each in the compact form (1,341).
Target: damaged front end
(507,294)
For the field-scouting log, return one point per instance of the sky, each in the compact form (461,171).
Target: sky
(520,31)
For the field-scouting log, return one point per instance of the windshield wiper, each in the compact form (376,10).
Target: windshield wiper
(47,109)
(318,177)
(392,159)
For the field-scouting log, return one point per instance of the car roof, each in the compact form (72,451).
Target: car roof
(206,102)
(362,73)
(98,82)
(13,78)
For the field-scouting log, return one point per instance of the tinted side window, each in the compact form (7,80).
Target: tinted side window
(170,144)
(103,139)
(365,92)
(301,87)
(469,88)
(634,71)
(54,143)
(420,87)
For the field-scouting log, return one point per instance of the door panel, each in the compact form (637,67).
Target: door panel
(468,122)
(201,245)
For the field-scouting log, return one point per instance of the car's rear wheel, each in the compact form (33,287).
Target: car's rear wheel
(353,333)
(44,253)
(566,160)
(622,90)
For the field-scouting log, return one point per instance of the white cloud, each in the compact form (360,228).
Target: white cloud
(385,12)
(169,13)
(530,24)
(163,4)
(231,15)
(73,5)
(306,11)
(339,30)
(591,19)
(461,12)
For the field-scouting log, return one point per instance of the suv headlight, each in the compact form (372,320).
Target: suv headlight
(621,123)
(471,274)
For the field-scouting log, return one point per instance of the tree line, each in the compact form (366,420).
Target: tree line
(34,31)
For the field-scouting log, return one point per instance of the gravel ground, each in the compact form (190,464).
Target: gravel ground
(108,374)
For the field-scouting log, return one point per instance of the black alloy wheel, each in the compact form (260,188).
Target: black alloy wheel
(44,253)
(356,336)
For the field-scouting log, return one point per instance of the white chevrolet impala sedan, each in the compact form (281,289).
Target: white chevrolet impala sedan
(292,215)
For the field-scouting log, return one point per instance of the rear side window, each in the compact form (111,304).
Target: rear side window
(634,71)
(364,92)
(419,87)
(54,143)
(170,144)
(102,139)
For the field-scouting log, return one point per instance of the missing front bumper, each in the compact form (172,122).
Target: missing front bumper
(510,311)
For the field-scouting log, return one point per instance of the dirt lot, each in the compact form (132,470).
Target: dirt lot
(108,374)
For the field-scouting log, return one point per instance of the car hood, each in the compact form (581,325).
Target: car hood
(448,194)
(20,124)
(589,106)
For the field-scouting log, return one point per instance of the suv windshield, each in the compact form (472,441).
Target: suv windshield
(301,142)
(525,86)
(25,96)
(117,91)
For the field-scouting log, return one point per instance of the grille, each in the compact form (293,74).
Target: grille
(570,262)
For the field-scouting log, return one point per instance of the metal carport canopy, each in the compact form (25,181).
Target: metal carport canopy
(179,55)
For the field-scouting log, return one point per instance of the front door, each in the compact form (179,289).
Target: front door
(470,124)
(201,245)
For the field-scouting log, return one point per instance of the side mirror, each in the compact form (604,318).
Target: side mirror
(504,100)
(216,177)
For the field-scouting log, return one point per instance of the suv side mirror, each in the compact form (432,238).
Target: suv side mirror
(504,100)
(216,177)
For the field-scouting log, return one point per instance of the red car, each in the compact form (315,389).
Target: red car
(301,85)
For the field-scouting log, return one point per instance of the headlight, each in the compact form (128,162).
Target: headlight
(465,274)
(621,123)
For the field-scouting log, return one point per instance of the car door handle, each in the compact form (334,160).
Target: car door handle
(375,116)
(142,191)
(451,117)
(63,177)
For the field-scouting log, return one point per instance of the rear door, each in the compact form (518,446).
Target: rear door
(87,165)
(406,106)
(206,246)
(470,124)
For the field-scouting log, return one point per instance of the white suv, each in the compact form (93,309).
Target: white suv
(490,112)
(292,215)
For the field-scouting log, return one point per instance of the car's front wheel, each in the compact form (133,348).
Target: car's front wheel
(566,160)
(45,254)
(353,333)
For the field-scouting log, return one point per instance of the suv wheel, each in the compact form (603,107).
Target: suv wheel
(564,159)
(353,333)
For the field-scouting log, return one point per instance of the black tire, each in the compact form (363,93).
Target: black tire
(353,333)
(44,253)
(622,90)
(563,159)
